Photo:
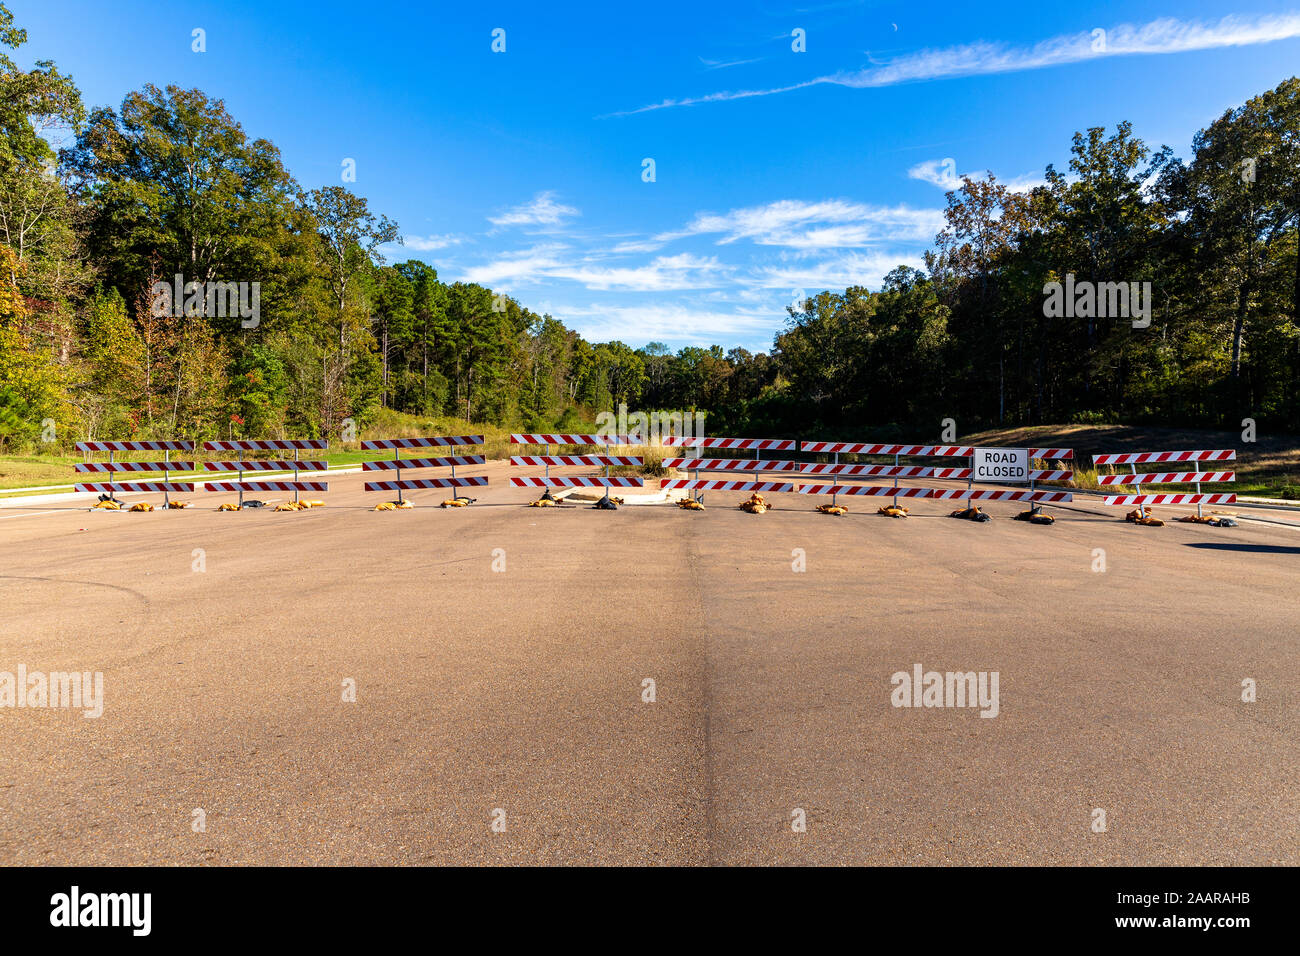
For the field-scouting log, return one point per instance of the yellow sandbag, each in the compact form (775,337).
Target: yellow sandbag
(1135,517)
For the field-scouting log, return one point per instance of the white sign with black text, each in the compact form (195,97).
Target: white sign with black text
(1009,465)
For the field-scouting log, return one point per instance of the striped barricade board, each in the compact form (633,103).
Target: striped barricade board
(574,461)
(1052,454)
(719,484)
(731,464)
(882,471)
(1221,498)
(269,444)
(116,446)
(905,451)
(263,465)
(167,487)
(449,461)
(1166,478)
(242,486)
(1172,499)
(577,481)
(757,444)
(435,441)
(1157,457)
(978,494)
(562,439)
(416,484)
(118,466)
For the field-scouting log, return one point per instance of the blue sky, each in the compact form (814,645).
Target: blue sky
(776,172)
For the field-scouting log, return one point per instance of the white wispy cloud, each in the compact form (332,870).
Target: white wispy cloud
(663,273)
(936,172)
(522,266)
(724,64)
(546,263)
(629,246)
(943,173)
(1163,36)
(431,243)
(679,322)
(826,224)
(838,272)
(541,210)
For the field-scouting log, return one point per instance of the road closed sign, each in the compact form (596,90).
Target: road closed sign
(1001,464)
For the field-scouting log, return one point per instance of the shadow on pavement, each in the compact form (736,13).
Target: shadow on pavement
(1258,548)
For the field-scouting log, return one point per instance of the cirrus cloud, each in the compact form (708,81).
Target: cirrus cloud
(1163,36)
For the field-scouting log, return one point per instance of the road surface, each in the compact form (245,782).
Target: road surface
(499,657)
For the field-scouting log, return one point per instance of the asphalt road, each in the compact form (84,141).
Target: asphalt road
(226,640)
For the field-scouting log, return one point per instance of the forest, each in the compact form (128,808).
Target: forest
(168,184)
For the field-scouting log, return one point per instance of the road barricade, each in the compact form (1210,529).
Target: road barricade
(398,464)
(1148,458)
(242,468)
(696,463)
(113,467)
(897,470)
(546,481)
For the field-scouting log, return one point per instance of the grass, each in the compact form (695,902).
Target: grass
(652,466)
(29,471)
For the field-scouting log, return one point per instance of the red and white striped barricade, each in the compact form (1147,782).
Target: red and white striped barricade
(894,471)
(242,468)
(696,463)
(977,494)
(397,463)
(113,467)
(1148,458)
(547,482)
(897,470)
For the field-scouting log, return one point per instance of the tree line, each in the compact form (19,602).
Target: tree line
(167,190)
(982,336)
